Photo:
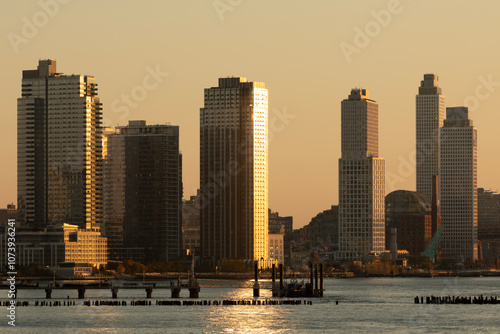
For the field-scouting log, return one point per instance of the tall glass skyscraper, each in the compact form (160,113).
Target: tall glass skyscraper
(59,149)
(234,171)
(143,193)
(430,115)
(459,185)
(361,180)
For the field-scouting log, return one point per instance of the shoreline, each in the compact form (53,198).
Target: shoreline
(267,276)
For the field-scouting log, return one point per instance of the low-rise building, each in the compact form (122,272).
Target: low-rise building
(277,247)
(6,214)
(191,225)
(50,246)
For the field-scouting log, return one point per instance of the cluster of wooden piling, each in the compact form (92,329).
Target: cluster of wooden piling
(40,303)
(480,300)
(105,303)
(17,303)
(266,302)
(225,302)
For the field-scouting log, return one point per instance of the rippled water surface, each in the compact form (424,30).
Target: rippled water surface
(379,305)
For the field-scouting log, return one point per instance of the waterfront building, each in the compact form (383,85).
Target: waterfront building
(279,224)
(410,213)
(430,113)
(234,171)
(58,149)
(85,246)
(488,222)
(277,247)
(282,225)
(9,213)
(191,225)
(143,186)
(55,244)
(361,180)
(459,185)
(488,211)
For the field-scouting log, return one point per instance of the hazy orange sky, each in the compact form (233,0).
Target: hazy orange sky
(295,47)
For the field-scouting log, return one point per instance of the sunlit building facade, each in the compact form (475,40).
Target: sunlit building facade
(54,245)
(277,247)
(59,149)
(361,180)
(234,171)
(84,246)
(459,185)
(430,113)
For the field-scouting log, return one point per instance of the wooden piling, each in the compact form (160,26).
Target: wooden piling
(256,290)
(311,280)
(316,286)
(281,277)
(81,293)
(176,291)
(194,292)
(149,292)
(321,274)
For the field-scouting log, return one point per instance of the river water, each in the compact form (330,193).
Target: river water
(365,305)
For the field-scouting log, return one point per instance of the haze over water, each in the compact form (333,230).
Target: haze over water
(372,305)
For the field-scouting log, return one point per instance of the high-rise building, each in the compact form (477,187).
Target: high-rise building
(361,180)
(143,186)
(430,115)
(488,222)
(234,171)
(459,185)
(59,149)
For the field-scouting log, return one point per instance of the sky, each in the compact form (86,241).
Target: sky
(310,54)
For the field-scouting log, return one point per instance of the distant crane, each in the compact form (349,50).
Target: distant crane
(431,249)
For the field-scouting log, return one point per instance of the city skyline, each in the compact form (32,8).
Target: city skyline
(304,99)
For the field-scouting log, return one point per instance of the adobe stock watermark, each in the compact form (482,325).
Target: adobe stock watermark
(483,91)
(31,26)
(373,28)
(127,102)
(278,121)
(223,6)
